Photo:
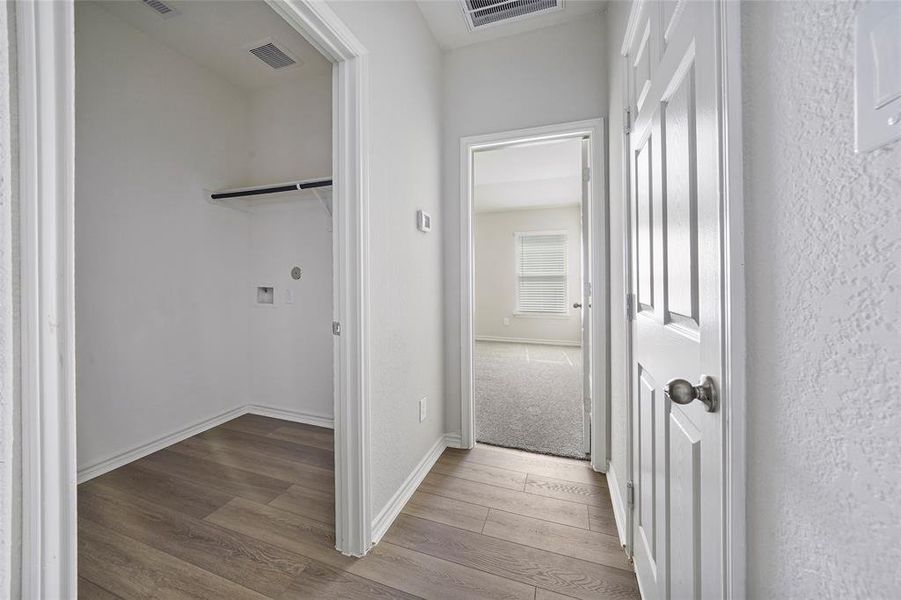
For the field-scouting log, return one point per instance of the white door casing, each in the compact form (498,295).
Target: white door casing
(677,210)
(593,130)
(585,300)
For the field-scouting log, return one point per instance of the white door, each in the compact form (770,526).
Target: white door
(585,301)
(677,473)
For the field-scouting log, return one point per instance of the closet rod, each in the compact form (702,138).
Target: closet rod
(287,187)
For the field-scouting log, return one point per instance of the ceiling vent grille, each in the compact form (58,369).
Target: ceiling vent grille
(481,13)
(160,7)
(273,56)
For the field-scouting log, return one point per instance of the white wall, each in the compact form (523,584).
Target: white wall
(552,75)
(10,471)
(823,240)
(406,293)
(161,316)
(495,275)
(291,131)
(617,17)
(291,342)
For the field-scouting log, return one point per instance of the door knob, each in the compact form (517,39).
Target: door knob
(682,392)
(577,305)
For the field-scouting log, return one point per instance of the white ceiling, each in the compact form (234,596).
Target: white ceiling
(448,24)
(539,175)
(218,34)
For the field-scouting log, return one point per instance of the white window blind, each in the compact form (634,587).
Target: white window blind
(541,272)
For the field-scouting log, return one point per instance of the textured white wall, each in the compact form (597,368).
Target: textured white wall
(9,411)
(552,75)
(291,131)
(291,343)
(405,284)
(823,239)
(617,17)
(161,302)
(495,274)
(290,138)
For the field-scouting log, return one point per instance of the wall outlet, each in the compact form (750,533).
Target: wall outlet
(422,409)
(507,321)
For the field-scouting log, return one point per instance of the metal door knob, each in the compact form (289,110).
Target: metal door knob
(681,391)
(577,305)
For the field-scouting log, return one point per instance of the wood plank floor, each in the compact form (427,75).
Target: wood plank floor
(246,510)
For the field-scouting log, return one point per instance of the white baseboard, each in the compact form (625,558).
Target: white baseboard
(619,505)
(485,338)
(114,462)
(123,458)
(454,440)
(291,415)
(389,513)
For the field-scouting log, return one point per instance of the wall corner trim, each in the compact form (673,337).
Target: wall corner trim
(296,416)
(392,509)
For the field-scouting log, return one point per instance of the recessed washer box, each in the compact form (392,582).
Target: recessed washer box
(266,295)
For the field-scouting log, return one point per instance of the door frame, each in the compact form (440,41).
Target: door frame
(594,129)
(733,384)
(46,152)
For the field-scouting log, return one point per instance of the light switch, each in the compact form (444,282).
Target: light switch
(878,75)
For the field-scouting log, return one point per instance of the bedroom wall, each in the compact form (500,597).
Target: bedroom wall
(553,75)
(161,317)
(495,276)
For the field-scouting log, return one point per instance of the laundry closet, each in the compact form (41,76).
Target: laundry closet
(203,271)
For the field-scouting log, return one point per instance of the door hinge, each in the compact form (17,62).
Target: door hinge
(630,493)
(586,174)
(336,328)
(630,306)
(627,120)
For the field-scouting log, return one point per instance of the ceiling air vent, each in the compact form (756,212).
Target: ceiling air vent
(272,55)
(160,7)
(481,13)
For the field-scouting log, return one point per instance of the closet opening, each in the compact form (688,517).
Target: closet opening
(204,280)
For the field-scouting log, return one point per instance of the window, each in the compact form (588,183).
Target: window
(541,272)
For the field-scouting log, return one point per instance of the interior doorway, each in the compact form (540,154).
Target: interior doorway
(529,357)
(203,285)
(534,353)
(46,80)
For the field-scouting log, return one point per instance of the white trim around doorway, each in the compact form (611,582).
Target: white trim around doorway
(594,130)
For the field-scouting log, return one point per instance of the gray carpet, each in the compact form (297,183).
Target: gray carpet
(529,396)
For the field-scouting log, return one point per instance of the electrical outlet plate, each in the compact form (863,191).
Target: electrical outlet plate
(422,409)
(424,221)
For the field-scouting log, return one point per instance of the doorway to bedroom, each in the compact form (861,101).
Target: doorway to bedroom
(530,370)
